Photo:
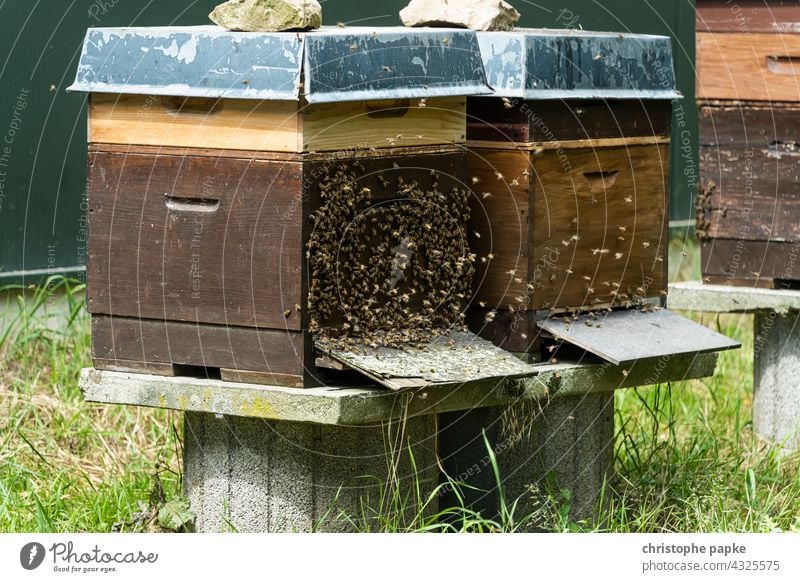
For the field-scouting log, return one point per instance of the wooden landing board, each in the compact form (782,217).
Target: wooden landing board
(467,358)
(622,337)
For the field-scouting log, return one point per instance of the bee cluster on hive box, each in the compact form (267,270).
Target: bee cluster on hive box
(570,162)
(252,193)
(749,100)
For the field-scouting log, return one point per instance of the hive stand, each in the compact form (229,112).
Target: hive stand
(278,459)
(776,399)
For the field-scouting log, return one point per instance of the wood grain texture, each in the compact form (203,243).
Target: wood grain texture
(160,121)
(749,67)
(266,378)
(574,144)
(599,196)
(382,124)
(753,124)
(159,343)
(156,368)
(537,122)
(746,175)
(582,194)
(777,222)
(728,260)
(269,155)
(195,239)
(772,16)
(501,219)
(513,331)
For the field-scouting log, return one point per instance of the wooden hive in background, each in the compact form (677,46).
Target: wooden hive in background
(748,91)
(209,153)
(570,161)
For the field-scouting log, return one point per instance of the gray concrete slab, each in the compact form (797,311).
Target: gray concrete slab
(697,296)
(350,406)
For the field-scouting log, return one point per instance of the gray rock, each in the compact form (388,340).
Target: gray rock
(268,15)
(474,14)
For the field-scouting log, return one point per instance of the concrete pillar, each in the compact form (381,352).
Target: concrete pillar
(566,443)
(776,401)
(252,475)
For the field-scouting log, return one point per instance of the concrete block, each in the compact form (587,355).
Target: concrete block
(776,401)
(254,475)
(566,443)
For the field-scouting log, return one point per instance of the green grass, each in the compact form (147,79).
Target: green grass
(66,465)
(686,458)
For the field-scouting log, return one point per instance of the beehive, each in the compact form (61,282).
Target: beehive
(748,90)
(570,160)
(250,193)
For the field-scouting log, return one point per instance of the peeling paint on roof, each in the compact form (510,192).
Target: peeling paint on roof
(561,64)
(334,64)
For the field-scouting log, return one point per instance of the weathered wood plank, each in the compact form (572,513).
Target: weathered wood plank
(382,124)
(623,337)
(501,220)
(614,200)
(513,331)
(267,378)
(752,124)
(456,358)
(750,259)
(492,119)
(169,121)
(771,16)
(745,175)
(156,343)
(750,67)
(195,239)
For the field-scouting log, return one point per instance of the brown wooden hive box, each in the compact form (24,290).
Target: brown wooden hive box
(202,208)
(748,93)
(571,213)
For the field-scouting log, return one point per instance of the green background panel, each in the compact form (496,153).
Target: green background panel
(43,169)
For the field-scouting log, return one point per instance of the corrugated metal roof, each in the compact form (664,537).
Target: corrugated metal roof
(334,64)
(574,64)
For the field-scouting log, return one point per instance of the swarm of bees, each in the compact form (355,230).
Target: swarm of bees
(388,266)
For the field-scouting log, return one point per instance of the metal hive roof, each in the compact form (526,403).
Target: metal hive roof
(326,65)
(574,64)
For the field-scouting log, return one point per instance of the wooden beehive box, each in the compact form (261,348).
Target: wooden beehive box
(570,163)
(748,90)
(222,164)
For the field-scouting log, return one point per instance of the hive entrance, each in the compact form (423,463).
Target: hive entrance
(389,263)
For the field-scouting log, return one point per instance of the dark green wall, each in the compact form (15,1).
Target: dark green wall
(43,128)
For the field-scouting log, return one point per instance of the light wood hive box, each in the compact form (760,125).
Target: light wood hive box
(570,164)
(748,91)
(208,156)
